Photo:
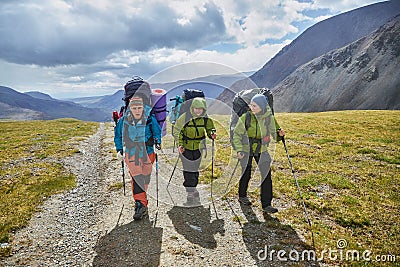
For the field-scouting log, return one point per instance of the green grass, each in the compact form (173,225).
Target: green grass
(30,170)
(347,164)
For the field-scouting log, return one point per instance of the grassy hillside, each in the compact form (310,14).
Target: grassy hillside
(30,168)
(348,166)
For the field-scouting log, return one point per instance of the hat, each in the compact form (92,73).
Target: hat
(261,101)
(136,101)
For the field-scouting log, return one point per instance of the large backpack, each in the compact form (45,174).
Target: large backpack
(241,103)
(182,103)
(155,98)
(138,87)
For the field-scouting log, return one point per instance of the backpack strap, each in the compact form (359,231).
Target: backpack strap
(205,120)
(247,121)
(267,122)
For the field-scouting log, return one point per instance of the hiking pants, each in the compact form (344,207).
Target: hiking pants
(264,165)
(191,163)
(139,184)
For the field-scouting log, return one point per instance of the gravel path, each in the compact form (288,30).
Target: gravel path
(92,224)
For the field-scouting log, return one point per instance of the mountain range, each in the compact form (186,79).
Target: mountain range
(334,41)
(39,106)
(324,36)
(212,85)
(349,61)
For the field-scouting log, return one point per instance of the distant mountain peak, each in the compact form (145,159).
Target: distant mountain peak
(39,95)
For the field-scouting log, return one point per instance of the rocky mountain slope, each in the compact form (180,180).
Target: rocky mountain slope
(332,33)
(362,75)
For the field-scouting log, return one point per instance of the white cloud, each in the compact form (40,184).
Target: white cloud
(343,5)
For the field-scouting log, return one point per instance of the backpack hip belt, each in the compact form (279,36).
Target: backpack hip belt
(139,146)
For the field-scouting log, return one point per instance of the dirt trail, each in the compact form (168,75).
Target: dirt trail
(92,224)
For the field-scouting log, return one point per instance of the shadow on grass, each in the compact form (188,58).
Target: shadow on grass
(266,241)
(137,243)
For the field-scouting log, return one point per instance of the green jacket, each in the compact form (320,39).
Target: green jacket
(190,130)
(259,127)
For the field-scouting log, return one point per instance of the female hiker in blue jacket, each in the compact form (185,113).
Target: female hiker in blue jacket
(136,133)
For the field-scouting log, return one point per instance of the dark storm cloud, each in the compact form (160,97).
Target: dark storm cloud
(80,33)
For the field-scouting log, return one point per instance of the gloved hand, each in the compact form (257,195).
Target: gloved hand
(266,140)
(158,146)
(213,134)
(120,154)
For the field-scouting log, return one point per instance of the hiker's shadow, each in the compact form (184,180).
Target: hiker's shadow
(266,239)
(194,224)
(137,243)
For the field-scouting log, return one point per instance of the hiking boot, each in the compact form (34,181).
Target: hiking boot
(244,201)
(140,211)
(270,209)
(193,199)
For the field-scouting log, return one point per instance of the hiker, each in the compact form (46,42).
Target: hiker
(138,132)
(253,143)
(190,132)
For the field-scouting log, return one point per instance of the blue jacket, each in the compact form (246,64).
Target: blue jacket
(134,137)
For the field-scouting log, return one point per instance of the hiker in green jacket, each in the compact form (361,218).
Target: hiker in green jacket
(251,138)
(190,132)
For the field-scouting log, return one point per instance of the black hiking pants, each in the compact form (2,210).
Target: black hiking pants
(264,165)
(191,163)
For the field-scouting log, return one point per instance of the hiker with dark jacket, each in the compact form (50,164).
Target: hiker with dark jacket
(251,138)
(137,132)
(191,129)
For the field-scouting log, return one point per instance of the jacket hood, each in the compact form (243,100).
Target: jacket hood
(198,102)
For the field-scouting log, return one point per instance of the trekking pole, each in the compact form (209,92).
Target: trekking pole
(123,174)
(157,177)
(172,132)
(212,172)
(233,173)
(155,218)
(298,190)
(172,174)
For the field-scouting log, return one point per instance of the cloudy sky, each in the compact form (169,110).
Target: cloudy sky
(72,48)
